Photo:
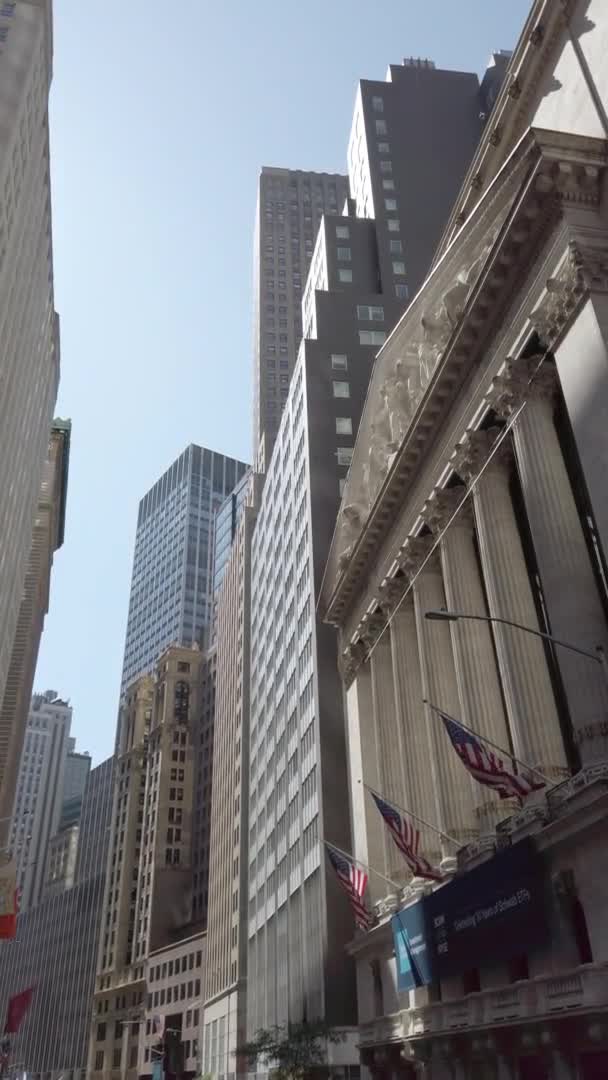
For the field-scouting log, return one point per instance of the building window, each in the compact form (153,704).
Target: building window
(371,312)
(386,167)
(371,337)
(99,1059)
(344,455)
(394,224)
(398,267)
(378,104)
(183,666)
(101,1033)
(344,254)
(344,425)
(383,148)
(342,232)
(339,362)
(380,127)
(345,275)
(396,247)
(402,291)
(390,204)
(342,485)
(388,185)
(342,389)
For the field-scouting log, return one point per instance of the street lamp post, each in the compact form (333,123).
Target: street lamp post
(598,657)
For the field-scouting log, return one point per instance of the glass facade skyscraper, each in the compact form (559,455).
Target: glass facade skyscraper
(171,598)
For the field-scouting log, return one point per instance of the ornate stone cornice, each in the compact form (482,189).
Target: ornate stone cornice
(584,269)
(523,380)
(415,552)
(443,504)
(477,448)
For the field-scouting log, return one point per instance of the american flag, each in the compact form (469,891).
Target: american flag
(486,766)
(354,883)
(407,839)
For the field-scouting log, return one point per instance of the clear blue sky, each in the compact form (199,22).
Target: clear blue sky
(161,117)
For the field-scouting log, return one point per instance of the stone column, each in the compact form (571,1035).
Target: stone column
(453,786)
(530,702)
(388,747)
(415,733)
(573,605)
(481,704)
(367,827)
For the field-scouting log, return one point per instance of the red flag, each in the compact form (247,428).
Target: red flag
(17,1008)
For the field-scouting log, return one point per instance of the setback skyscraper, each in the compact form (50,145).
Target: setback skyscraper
(39,795)
(29,332)
(171,598)
(289,209)
(362,271)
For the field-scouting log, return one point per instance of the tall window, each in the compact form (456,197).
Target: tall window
(341,389)
(398,267)
(339,362)
(378,104)
(344,254)
(380,127)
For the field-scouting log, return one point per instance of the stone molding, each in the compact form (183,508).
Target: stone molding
(521,380)
(584,269)
(443,504)
(479,447)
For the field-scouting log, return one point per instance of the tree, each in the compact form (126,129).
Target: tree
(291,1051)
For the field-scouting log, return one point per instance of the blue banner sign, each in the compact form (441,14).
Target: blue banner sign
(485,916)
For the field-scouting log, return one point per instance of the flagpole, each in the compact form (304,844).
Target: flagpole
(409,813)
(365,866)
(501,749)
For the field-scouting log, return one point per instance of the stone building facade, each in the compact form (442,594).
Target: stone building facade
(477,486)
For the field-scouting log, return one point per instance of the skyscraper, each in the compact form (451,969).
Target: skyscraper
(29,333)
(289,208)
(224,989)
(55,950)
(46,537)
(148,896)
(171,598)
(365,262)
(38,798)
(77,768)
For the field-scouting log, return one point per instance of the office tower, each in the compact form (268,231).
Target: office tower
(95,818)
(77,768)
(226,521)
(224,990)
(56,951)
(174,977)
(148,900)
(39,791)
(365,261)
(203,786)
(47,537)
(29,332)
(171,598)
(411,141)
(62,853)
(289,208)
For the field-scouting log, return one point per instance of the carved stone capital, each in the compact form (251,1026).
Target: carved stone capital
(414,553)
(390,594)
(584,269)
(477,448)
(443,504)
(523,380)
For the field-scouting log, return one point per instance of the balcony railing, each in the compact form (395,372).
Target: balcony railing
(583,988)
(573,991)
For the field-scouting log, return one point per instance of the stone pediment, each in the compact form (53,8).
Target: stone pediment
(441,337)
